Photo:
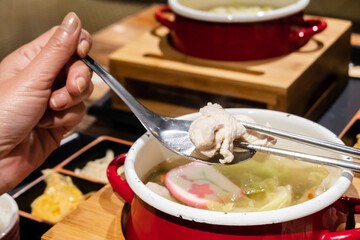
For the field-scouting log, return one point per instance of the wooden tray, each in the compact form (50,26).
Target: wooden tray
(170,83)
(346,131)
(98,218)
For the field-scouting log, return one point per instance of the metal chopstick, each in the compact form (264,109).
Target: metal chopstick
(301,156)
(305,139)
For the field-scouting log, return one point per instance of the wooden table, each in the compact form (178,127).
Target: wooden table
(99,218)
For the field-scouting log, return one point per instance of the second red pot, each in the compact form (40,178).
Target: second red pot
(238,37)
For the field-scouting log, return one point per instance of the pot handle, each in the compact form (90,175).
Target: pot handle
(118,184)
(351,206)
(308,29)
(162,19)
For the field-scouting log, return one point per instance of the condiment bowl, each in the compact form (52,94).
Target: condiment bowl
(9,209)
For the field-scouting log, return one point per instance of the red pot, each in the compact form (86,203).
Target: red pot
(154,217)
(238,37)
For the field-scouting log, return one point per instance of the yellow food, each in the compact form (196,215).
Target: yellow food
(60,197)
(357,144)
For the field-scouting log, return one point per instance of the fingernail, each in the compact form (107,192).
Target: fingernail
(70,22)
(59,100)
(81,84)
(84,47)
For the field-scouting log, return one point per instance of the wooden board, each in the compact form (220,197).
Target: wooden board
(354,70)
(97,218)
(355,118)
(303,82)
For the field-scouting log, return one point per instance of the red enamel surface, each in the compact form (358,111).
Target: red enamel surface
(239,41)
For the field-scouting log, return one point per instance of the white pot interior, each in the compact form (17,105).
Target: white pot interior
(195,9)
(147,152)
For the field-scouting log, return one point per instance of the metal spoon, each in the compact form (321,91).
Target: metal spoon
(173,133)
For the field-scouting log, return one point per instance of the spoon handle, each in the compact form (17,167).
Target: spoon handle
(304,139)
(141,112)
(302,156)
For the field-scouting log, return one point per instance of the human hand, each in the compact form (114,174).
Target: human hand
(42,88)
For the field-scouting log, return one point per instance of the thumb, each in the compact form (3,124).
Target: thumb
(56,53)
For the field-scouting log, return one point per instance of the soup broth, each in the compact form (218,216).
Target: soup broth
(267,182)
(239,8)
